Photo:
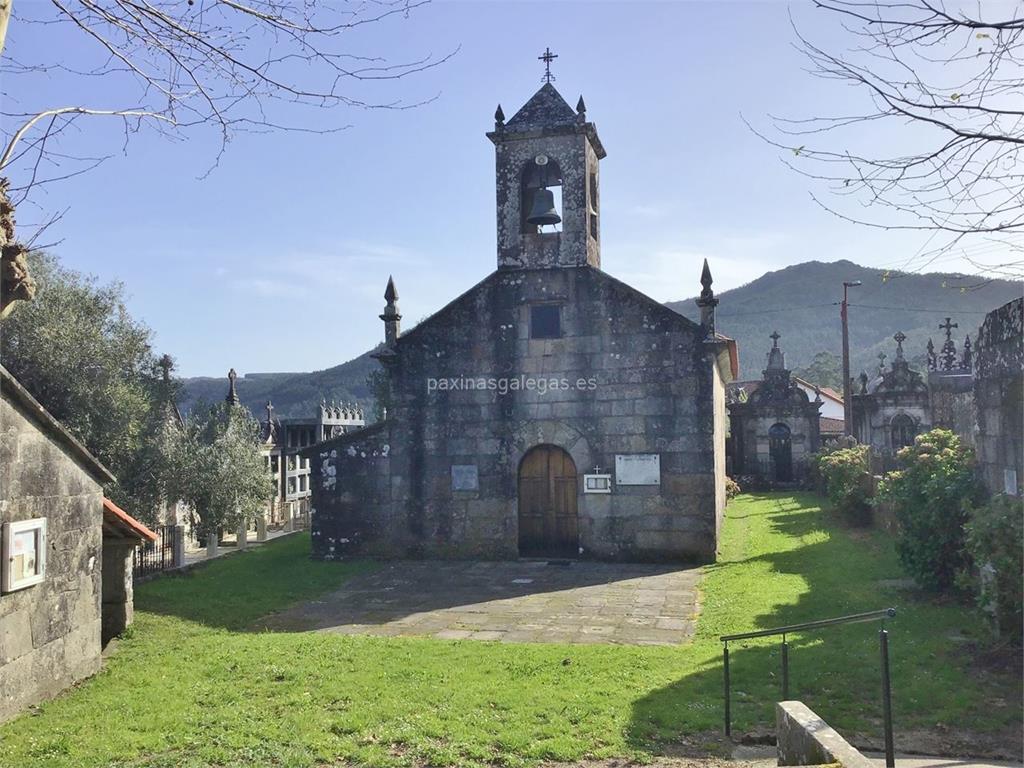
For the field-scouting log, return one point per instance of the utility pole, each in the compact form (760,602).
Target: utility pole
(847,394)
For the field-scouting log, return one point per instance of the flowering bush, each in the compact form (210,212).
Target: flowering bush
(847,481)
(995,541)
(732,488)
(930,498)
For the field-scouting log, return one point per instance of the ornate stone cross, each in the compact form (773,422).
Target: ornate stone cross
(948,327)
(900,337)
(774,336)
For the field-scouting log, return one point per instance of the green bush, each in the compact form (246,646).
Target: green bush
(995,542)
(930,498)
(847,481)
(732,488)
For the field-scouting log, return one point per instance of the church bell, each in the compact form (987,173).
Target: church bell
(543,210)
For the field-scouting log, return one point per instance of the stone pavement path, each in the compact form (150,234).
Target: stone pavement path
(515,602)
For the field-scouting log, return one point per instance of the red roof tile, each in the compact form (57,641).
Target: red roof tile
(119,521)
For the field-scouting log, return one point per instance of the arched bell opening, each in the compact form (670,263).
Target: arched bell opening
(541,196)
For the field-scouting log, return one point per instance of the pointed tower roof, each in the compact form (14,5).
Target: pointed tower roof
(545,109)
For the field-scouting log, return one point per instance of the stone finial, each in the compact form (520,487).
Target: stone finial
(881,363)
(776,359)
(932,362)
(232,396)
(707,301)
(706,281)
(499,118)
(581,111)
(817,394)
(863,383)
(270,412)
(966,361)
(391,317)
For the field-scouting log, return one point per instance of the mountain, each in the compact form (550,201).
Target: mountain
(293,394)
(800,302)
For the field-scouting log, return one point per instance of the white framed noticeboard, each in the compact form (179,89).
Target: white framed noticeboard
(638,469)
(24,554)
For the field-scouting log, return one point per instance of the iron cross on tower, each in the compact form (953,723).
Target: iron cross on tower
(547,58)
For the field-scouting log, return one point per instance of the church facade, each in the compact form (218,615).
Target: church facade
(549,411)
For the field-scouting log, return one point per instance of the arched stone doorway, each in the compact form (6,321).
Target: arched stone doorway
(548,522)
(780,448)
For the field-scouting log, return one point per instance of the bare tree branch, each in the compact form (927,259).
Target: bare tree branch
(952,80)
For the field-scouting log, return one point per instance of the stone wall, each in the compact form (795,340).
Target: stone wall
(803,738)
(654,391)
(998,396)
(355,518)
(49,632)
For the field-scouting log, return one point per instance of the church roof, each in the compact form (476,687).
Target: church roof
(547,113)
(545,109)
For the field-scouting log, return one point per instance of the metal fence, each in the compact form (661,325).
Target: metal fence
(155,556)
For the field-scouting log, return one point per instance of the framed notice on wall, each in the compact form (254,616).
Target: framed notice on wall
(24,554)
(638,469)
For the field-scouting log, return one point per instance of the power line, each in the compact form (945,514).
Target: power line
(779,309)
(923,309)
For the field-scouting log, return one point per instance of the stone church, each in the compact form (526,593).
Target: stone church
(551,410)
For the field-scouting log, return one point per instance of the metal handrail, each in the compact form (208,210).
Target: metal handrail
(856,618)
(887,613)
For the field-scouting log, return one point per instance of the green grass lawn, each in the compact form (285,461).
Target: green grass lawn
(190,687)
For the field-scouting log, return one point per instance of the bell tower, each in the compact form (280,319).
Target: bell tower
(547,181)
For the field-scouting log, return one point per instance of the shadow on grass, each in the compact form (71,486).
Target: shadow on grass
(233,592)
(835,670)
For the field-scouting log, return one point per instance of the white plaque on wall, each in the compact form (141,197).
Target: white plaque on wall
(638,469)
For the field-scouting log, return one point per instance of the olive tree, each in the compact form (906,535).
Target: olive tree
(219,471)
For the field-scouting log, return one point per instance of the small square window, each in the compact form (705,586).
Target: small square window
(545,321)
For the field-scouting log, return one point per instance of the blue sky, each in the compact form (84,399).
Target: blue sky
(277,260)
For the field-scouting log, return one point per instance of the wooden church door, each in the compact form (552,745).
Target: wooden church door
(547,504)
